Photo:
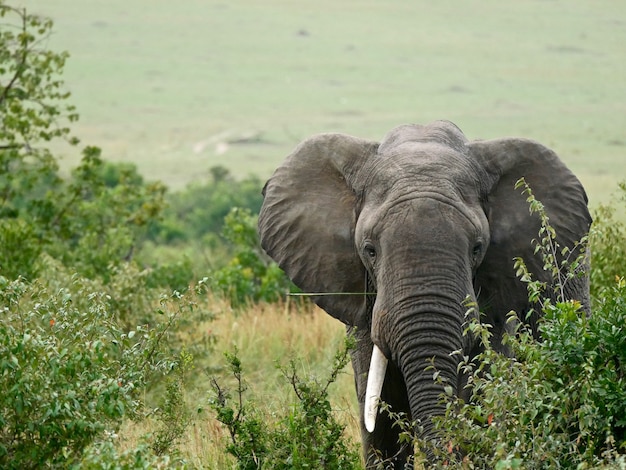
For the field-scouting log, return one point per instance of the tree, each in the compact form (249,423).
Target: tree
(94,221)
(32,108)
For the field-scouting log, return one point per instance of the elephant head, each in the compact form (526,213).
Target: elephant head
(423,220)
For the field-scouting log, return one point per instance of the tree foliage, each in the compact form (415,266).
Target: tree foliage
(198,211)
(33,107)
(249,276)
(95,220)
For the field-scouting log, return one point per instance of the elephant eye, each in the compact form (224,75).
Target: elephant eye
(477,250)
(370,252)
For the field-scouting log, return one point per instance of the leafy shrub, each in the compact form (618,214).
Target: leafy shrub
(97,227)
(84,222)
(200,208)
(20,249)
(104,455)
(561,403)
(82,338)
(71,371)
(176,275)
(305,436)
(173,414)
(67,373)
(608,246)
(250,275)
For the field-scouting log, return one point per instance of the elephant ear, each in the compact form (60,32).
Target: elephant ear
(513,227)
(307,221)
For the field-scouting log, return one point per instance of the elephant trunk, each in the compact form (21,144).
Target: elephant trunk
(421,340)
(424,391)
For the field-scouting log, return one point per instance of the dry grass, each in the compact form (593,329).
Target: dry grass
(265,335)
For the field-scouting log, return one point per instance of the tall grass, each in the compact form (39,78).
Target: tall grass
(265,335)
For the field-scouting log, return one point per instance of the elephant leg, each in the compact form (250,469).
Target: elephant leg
(383,444)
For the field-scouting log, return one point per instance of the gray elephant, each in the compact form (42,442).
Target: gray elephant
(424,219)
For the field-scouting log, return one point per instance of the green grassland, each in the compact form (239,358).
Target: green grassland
(178,87)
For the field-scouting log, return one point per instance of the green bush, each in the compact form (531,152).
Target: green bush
(306,435)
(68,373)
(71,371)
(200,208)
(176,275)
(83,337)
(97,227)
(85,222)
(250,275)
(104,455)
(20,249)
(608,246)
(561,403)
(192,222)
(172,414)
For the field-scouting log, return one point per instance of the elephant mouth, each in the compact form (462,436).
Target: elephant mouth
(375,379)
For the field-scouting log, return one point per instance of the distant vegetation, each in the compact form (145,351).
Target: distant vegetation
(118,297)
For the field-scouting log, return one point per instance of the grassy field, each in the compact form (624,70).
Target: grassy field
(178,87)
(265,336)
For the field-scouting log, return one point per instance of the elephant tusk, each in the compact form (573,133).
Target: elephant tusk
(375,379)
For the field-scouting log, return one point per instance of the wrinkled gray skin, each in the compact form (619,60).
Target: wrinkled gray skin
(425,218)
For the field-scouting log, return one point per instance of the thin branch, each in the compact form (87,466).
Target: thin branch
(20,68)
(11,146)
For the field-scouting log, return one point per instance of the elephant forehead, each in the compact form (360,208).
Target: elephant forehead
(427,206)
(424,214)
(458,186)
(423,166)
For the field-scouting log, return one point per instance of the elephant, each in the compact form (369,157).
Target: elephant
(393,238)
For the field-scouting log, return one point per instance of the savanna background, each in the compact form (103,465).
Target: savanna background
(129,259)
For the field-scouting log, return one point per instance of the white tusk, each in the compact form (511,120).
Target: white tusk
(375,379)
